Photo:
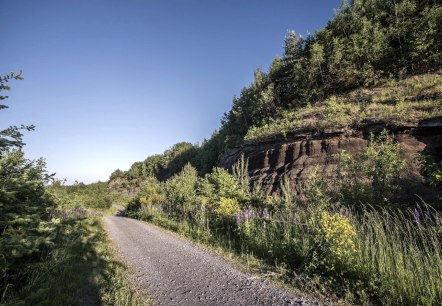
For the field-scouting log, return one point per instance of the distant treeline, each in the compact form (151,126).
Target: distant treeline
(365,43)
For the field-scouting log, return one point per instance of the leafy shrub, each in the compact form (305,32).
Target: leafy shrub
(26,229)
(430,169)
(334,242)
(152,193)
(227,208)
(181,191)
(337,110)
(224,184)
(370,178)
(92,196)
(317,193)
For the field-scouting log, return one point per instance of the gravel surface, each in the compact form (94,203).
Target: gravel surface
(175,272)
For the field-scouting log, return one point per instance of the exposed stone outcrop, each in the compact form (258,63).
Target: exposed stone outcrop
(298,156)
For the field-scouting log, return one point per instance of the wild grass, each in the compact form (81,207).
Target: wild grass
(82,268)
(395,261)
(402,258)
(351,242)
(403,102)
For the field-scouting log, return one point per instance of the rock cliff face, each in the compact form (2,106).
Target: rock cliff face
(298,156)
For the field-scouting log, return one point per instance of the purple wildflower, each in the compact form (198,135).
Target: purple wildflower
(418,215)
(245,215)
(238,218)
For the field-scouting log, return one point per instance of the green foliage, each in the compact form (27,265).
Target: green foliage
(227,207)
(152,193)
(91,196)
(80,268)
(333,249)
(161,166)
(371,177)
(240,172)
(365,42)
(401,258)
(176,158)
(117,174)
(402,103)
(337,110)
(26,231)
(224,184)
(11,137)
(430,169)
(51,236)
(316,192)
(181,192)
(211,151)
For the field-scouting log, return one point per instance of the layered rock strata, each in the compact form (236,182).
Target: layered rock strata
(301,154)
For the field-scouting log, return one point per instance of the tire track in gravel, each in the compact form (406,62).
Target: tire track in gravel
(175,272)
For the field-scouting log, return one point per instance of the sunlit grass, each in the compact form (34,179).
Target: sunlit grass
(81,269)
(402,260)
(395,261)
(403,102)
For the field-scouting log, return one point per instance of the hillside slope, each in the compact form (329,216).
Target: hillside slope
(309,138)
(369,63)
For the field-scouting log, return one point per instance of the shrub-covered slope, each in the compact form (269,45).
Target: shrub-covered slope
(403,104)
(356,68)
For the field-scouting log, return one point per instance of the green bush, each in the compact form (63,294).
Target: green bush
(224,185)
(152,193)
(227,208)
(431,170)
(333,250)
(181,191)
(370,178)
(27,231)
(92,196)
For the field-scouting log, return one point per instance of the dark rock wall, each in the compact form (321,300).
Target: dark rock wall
(299,157)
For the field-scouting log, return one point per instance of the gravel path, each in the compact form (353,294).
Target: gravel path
(176,272)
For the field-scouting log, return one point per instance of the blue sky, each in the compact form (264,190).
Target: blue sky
(108,83)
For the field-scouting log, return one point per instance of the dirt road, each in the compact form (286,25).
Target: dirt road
(175,272)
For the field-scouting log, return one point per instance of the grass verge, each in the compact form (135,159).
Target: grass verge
(82,268)
(376,258)
(226,246)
